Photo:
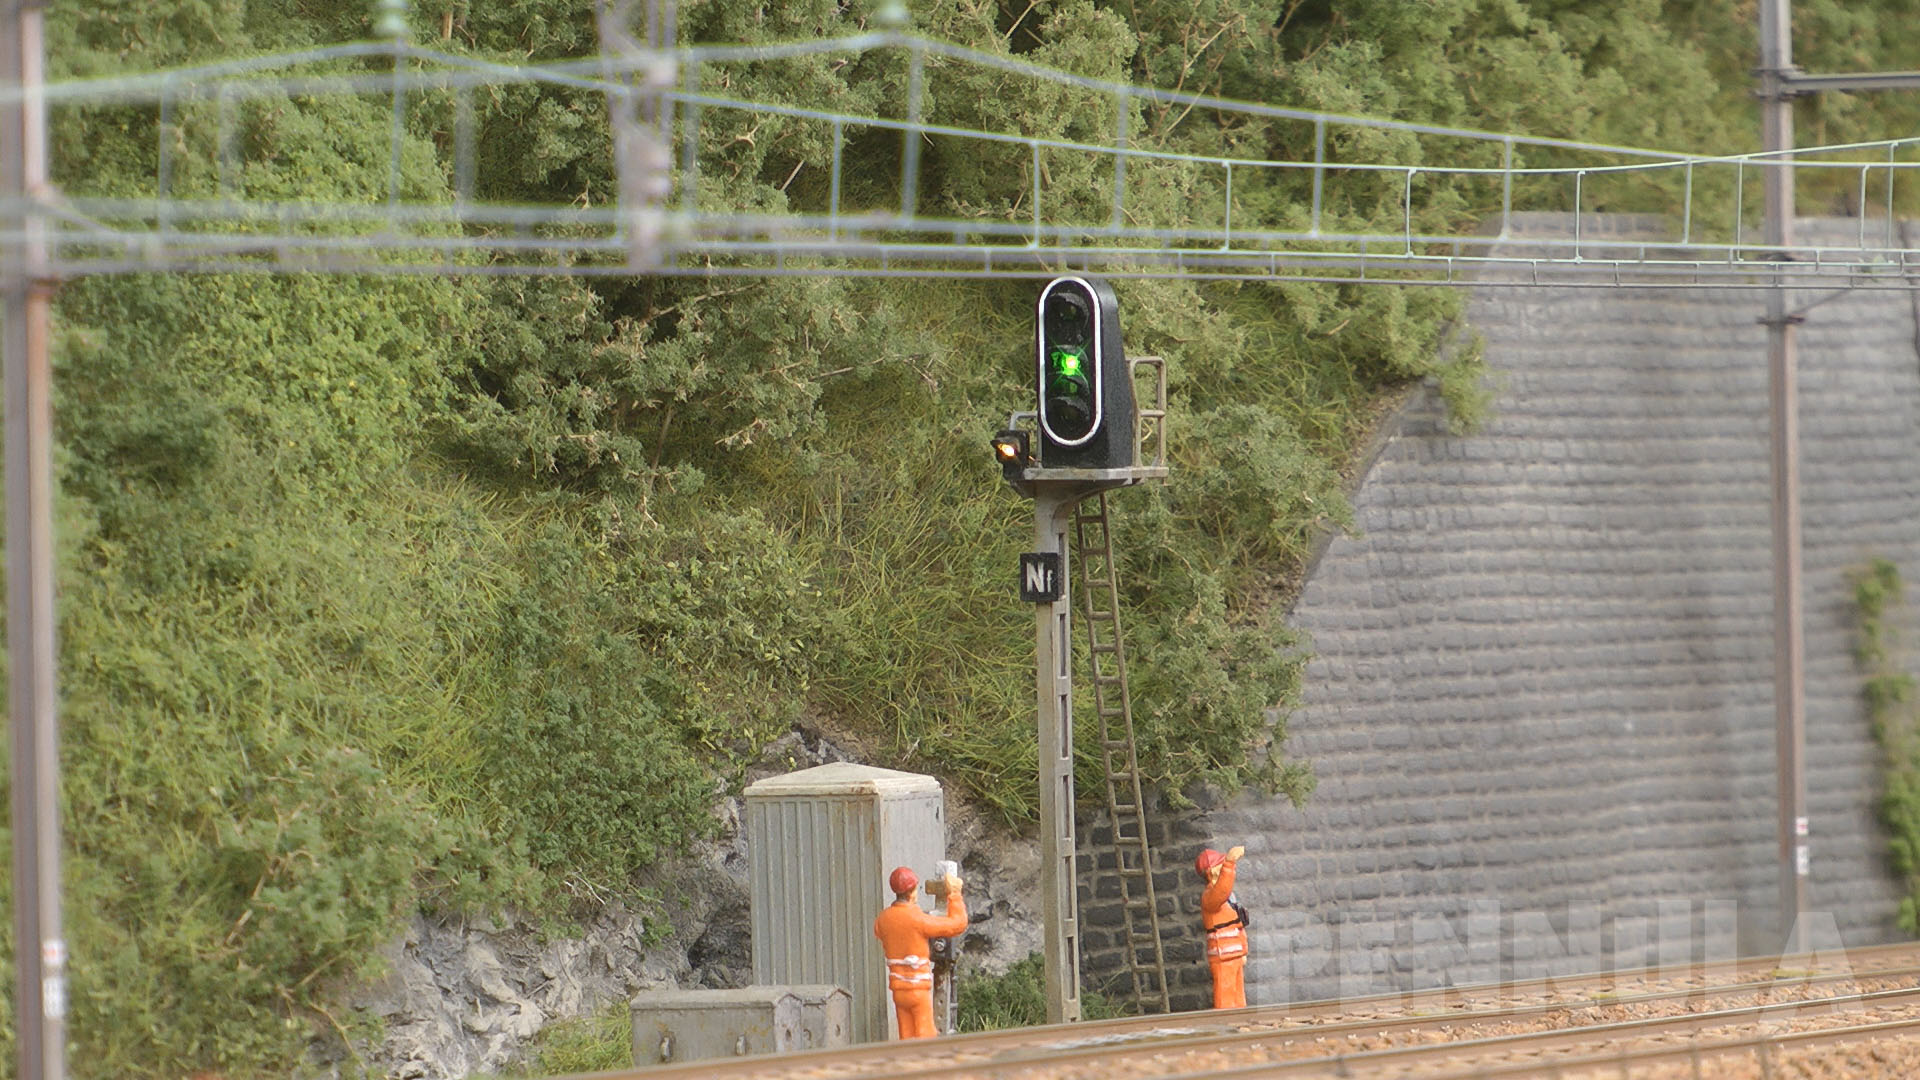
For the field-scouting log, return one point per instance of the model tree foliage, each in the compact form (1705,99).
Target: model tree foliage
(389,592)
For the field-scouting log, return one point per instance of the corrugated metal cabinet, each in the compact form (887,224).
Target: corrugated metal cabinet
(820,844)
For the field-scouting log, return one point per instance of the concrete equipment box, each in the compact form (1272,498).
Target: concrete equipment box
(694,1025)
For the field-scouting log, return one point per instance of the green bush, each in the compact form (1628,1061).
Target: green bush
(1018,998)
(598,1042)
(1879,595)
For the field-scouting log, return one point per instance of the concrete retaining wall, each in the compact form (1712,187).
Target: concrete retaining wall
(1540,704)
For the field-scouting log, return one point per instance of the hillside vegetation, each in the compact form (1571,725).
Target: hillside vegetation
(390,592)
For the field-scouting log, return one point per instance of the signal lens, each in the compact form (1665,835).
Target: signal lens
(1068,321)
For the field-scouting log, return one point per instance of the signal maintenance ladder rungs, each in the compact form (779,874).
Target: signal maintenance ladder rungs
(1100,606)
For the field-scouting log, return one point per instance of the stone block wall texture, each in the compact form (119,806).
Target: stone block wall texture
(1540,702)
(1173,839)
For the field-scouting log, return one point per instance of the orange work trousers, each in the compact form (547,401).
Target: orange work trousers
(1229,982)
(914,1010)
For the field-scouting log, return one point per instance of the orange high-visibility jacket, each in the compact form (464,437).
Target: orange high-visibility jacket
(1226,938)
(906,935)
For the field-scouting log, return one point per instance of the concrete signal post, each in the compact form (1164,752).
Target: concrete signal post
(1086,435)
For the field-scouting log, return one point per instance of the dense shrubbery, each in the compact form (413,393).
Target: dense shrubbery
(381,592)
(1018,998)
(1880,596)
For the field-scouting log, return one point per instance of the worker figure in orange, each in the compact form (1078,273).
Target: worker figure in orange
(1225,922)
(906,935)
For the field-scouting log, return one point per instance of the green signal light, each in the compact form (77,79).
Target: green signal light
(1067,362)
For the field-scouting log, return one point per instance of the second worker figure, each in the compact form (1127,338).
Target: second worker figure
(1225,922)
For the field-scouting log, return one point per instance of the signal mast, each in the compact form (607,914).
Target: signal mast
(1086,439)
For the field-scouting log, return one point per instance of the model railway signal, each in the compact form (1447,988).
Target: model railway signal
(1084,389)
(1082,443)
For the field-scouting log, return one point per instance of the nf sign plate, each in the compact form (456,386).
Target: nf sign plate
(1040,576)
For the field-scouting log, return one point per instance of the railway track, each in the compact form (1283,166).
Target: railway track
(1754,1018)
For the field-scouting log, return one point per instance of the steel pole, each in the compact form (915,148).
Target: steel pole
(40,953)
(1053,689)
(1789,686)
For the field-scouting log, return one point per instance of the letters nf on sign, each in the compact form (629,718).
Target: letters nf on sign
(1040,576)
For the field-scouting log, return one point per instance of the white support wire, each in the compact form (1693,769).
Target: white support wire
(659,97)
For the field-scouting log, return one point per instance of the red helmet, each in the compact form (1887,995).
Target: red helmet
(903,881)
(1207,860)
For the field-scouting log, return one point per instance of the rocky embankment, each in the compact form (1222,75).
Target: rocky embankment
(464,996)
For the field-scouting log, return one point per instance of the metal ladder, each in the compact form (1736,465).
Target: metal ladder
(1099,589)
